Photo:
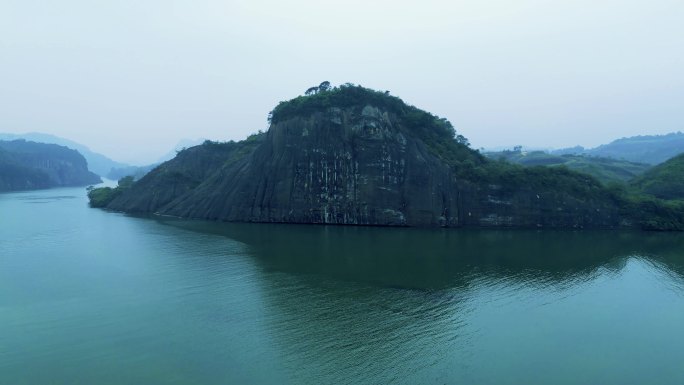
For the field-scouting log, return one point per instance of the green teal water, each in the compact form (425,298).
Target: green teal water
(92,297)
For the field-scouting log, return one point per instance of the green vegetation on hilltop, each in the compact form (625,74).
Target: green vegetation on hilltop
(655,199)
(512,176)
(175,177)
(350,95)
(606,170)
(102,196)
(344,96)
(664,181)
(645,195)
(647,211)
(437,133)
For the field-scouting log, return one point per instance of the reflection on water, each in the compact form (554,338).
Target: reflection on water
(88,296)
(424,306)
(433,259)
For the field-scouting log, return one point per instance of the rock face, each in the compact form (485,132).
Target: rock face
(362,164)
(181,176)
(29,165)
(352,166)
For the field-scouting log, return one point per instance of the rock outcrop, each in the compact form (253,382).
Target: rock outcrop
(359,157)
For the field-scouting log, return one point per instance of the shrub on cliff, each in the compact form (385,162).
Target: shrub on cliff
(102,196)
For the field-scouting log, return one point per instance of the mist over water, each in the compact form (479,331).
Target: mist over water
(88,296)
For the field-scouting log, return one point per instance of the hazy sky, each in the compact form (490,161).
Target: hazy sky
(131,78)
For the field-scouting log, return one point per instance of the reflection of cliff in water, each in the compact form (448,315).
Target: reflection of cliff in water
(433,259)
(381,305)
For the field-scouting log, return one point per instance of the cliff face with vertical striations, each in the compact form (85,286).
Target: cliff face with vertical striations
(360,157)
(342,166)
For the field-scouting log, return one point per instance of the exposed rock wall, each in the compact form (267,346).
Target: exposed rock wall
(359,166)
(341,167)
(178,177)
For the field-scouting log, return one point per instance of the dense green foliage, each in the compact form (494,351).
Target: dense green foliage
(344,96)
(643,202)
(102,196)
(650,149)
(606,170)
(349,95)
(651,213)
(437,133)
(659,215)
(136,172)
(560,179)
(651,197)
(665,181)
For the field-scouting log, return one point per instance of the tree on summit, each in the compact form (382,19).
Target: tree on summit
(325,86)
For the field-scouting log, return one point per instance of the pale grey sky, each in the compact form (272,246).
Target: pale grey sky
(130,78)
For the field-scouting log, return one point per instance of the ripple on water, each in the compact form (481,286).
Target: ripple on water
(45,198)
(84,293)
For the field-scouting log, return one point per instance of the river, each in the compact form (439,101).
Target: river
(94,297)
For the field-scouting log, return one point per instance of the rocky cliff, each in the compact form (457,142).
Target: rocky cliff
(181,176)
(28,165)
(357,156)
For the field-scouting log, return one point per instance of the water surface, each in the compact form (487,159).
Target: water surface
(92,297)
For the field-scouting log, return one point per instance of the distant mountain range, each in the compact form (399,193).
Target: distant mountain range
(138,172)
(618,161)
(28,165)
(97,163)
(604,169)
(651,149)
